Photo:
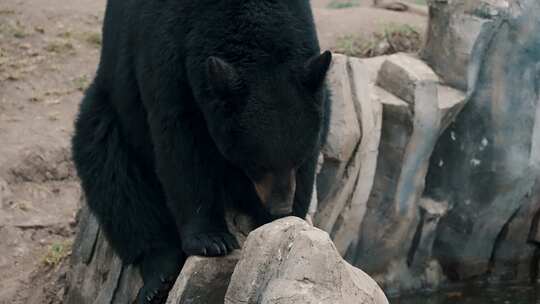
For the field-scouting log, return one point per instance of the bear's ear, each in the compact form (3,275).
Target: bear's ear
(222,77)
(316,69)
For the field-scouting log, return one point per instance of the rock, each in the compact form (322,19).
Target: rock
(103,279)
(379,224)
(400,73)
(412,122)
(514,249)
(431,213)
(288,261)
(426,272)
(486,164)
(343,136)
(344,185)
(98,276)
(344,128)
(346,228)
(203,280)
(452,34)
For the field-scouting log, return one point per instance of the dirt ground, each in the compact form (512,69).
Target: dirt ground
(49,50)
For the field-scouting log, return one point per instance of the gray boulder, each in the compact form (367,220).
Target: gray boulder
(416,108)
(344,183)
(454,28)
(203,280)
(486,165)
(339,168)
(288,261)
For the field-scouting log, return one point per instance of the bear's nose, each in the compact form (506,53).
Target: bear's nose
(276,192)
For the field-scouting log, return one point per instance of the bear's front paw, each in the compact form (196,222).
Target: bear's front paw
(209,244)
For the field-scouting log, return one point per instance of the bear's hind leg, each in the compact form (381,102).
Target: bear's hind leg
(159,272)
(126,197)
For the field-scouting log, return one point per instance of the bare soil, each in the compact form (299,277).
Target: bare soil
(49,50)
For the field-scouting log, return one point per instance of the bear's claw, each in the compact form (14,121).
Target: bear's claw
(156,295)
(210,244)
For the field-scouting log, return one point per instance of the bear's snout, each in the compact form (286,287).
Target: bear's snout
(276,192)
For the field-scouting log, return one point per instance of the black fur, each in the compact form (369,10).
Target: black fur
(193,101)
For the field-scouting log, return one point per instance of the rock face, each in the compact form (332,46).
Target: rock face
(416,110)
(289,261)
(97,274)
(451,191)
(203,280)
(453,30)
(490,158)
(346,178)
(370,197)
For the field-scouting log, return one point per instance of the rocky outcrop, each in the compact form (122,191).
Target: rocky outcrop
(346,178)
(486,163)
(204,280)
(451,191)
(289,261)
(416,110)
(97,275)
(453,31)
(371,205)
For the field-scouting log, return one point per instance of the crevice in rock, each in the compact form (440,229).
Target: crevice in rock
(349,169)
(340,221)
(532,239)
(500,237)
(354,95)
(115,285)
(416,238)
(534,265)
(93,249)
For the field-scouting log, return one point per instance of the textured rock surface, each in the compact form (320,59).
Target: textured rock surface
(477,217)
(97,275)
(337,177)
(345,231)
(486,163)
(344,183)
(203,280)
(5,191)
(452,33)
(414,116)
(288,261)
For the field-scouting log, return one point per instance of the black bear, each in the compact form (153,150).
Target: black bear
(197,105)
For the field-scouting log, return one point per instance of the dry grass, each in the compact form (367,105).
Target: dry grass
(340,4)
(56,253)
(60,47)
(393,39)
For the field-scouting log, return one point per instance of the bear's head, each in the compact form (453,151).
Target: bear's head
(268,122)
